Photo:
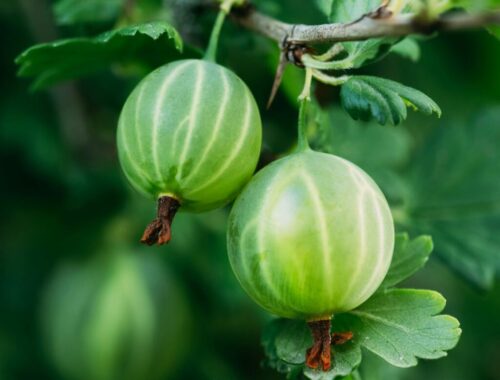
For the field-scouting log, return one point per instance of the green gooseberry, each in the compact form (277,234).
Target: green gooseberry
(119,315)
(310,236)
(189,135)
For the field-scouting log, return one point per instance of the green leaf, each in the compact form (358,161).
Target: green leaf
(407,48)
(399,325)
(409,257)
(292,342)
(269,336)
(346,358)
(152,43)
(402,325)
(455,196)
(94,11)
(365,97)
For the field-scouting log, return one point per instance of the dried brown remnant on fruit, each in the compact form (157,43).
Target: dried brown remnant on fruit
(159,231)
(320,352)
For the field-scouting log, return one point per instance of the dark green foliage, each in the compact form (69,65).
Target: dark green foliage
(386,101)
(455,195)
(148,44)
(76,11)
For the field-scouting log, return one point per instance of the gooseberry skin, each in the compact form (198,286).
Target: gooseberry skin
(190,130)
(310,236)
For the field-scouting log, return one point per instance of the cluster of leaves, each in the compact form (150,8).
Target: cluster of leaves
(458,200)
(399,325)
(384,100)
(365,97)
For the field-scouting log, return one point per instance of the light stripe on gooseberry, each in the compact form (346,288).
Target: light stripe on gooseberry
(368,191)
(138,174)
(218,123)
(361,210)
(235,151)
(321,219)
(193,118)
(157,113)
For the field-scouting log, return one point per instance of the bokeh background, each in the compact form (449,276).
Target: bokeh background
(81,299)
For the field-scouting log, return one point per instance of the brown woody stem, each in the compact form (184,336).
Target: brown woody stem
(319,355)
(379,23)
(320,352)
(159,231)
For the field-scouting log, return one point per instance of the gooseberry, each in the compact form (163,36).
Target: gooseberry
(119,315)
(189,135)
(310,236)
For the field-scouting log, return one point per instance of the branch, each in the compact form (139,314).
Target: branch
(377,24)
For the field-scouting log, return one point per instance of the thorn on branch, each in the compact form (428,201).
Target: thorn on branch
(290,53)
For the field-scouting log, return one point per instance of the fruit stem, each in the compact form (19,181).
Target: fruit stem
(303,143)
(321,351)
(304,100)
(159,231)
(211,53)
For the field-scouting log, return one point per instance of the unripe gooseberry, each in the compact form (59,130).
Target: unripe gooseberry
(310,236)
(119,315)
(188,135)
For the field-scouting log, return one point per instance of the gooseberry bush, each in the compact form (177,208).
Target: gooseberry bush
(312,238)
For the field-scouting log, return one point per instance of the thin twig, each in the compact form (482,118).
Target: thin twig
(370,26)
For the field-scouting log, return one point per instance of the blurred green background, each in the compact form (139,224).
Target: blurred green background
(81,299)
